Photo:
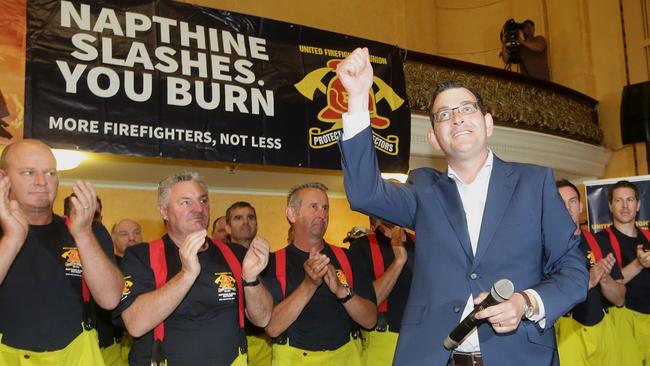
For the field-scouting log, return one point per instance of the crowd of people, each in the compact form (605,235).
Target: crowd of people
(71,293)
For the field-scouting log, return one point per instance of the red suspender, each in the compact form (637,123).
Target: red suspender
(377,265)
(281,267)
(158,264)
(411,236)
(615,245)
(85,292)
(235,267)
(645,233)
(344,263)
(593,245)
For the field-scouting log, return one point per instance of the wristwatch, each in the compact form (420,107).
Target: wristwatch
(251,283)
(346,298)
(529,310)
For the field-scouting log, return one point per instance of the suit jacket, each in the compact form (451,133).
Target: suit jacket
(526,236)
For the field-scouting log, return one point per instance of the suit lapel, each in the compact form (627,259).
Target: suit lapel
(500,189)
(448,195)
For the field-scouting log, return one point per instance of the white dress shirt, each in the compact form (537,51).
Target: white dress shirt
(473,195)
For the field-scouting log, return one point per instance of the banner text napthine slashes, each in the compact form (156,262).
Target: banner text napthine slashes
(218,63)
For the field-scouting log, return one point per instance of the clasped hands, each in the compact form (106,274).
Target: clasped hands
(318,269)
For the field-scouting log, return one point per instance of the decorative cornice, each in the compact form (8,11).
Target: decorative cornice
(569,158)
(513,100)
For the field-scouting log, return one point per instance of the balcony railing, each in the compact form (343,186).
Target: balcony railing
(514,100)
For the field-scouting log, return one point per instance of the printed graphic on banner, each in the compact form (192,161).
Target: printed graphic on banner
(164,78)
(337,104)
(598,212)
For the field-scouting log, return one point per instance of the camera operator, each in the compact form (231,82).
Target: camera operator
(529,52)
(532,52)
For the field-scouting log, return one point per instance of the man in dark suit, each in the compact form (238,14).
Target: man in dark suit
(481,220)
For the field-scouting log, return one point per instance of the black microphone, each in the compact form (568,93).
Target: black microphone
(501,291)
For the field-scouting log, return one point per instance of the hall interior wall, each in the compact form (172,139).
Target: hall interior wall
(586,53)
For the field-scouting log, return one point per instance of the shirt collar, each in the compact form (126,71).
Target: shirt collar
(486,166)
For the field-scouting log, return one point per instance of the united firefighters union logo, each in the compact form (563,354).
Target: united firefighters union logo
(591,258)
(227,285)
(337,104)
(72,261)
(341,276)
(126,291)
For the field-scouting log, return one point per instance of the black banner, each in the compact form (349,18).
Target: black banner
(161,78)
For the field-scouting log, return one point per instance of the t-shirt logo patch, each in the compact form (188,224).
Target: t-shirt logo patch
(591,258)
(341,276)
(126,291)
(227,286)
(72,262)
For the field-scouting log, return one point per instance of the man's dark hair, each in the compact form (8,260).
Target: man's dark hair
(214,223)
(623,184)
(528,21)
(240,204)
(453,84)
(67,207)
(67,204)
(565,183)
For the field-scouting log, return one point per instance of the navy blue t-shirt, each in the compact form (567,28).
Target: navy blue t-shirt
(41,306)
(204,328)
(323,324)
(637,296)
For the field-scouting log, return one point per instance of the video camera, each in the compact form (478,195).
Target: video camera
(510,39)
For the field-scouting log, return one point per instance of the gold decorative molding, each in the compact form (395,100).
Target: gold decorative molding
(512,102)
(569,159)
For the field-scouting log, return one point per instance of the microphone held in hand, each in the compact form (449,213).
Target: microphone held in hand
(501,291)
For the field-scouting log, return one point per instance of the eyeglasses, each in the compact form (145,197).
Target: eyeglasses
(445,115)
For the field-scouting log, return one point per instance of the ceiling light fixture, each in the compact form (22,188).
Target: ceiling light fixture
(67,159)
